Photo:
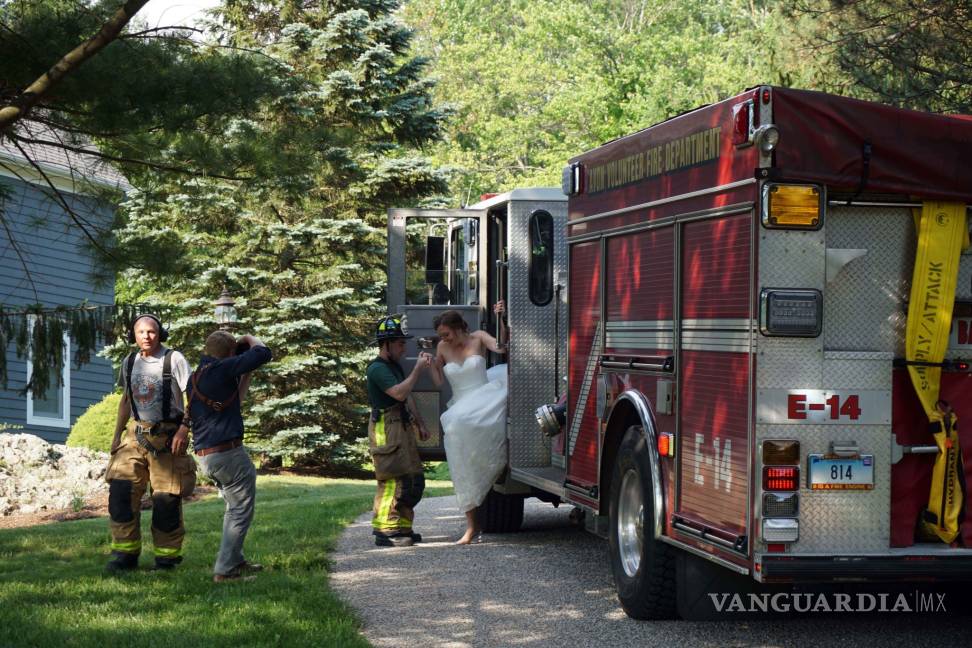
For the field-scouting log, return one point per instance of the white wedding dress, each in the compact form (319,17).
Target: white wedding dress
(474,428)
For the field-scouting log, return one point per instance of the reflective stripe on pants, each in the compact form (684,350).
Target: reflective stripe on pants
(391,516)
(167,474)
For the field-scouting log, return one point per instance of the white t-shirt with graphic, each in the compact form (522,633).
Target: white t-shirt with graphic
(147,384)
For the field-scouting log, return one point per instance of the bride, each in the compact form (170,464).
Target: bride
(474,425)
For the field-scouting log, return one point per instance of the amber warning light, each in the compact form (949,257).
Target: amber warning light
(666,444)
(781,452)
(792,206)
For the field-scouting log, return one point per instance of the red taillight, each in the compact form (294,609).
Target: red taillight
(766,95)
(781,478)
(742,118)
(775,547)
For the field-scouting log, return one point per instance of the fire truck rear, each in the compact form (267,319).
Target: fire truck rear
(767,304)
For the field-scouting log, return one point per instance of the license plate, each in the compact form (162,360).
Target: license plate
(839,473)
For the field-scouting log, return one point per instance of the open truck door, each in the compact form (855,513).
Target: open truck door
(434,264)
(508,247)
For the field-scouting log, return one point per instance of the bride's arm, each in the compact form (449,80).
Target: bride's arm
(436,366)
(488,341)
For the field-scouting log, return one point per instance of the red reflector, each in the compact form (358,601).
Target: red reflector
(741,119)
(781,478)
(775,547)
(766,95)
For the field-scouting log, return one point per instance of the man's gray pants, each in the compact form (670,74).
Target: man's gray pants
(234,473)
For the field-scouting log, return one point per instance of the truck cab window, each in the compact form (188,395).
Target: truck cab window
(541,257)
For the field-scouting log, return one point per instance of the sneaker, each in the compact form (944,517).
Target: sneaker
(122,562)
(249,567)
(397,540)
(236,575)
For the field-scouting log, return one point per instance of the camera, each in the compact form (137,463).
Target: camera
(242,347)
(427,343)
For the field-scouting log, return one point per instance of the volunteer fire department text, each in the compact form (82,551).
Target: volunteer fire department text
(687,151)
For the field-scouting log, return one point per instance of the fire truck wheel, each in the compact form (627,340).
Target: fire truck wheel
(644,568)
(501,513)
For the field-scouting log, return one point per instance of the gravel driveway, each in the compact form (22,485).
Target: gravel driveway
(550,585)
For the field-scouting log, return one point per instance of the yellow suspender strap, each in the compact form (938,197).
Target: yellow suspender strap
(942,234)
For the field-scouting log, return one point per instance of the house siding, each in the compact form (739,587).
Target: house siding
(63,271)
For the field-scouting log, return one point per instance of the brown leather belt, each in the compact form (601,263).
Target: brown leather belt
(222,447)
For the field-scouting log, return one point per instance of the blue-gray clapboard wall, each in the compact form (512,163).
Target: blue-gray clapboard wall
(60,270)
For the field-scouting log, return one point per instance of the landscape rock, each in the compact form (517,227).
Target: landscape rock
(36,475)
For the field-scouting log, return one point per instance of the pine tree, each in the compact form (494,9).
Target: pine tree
(301,245)
(88,83)
(905,53)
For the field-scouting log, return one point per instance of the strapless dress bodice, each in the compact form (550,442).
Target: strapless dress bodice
(466,377)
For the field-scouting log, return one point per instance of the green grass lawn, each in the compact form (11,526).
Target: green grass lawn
(54,591)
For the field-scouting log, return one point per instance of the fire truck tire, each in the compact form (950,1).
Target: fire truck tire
(501,513)
(644,569)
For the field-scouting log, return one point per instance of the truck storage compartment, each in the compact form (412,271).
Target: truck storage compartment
(911,476)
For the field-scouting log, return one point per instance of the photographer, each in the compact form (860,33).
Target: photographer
(215,390)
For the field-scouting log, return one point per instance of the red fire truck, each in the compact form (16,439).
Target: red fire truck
(728,293)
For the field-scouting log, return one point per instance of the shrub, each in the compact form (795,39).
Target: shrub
(95,428)
(437,470)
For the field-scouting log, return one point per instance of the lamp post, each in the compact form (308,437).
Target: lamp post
(225,312)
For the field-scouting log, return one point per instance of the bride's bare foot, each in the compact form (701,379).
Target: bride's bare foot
(473,533)
(471,536)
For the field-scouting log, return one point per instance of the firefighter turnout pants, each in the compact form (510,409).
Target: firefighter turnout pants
(131,470)
(398,470)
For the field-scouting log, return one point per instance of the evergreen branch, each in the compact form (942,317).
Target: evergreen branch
(20,37)
(189,41)
(138,34)
(70,62)
(73,128)
(127,160)
(64,309)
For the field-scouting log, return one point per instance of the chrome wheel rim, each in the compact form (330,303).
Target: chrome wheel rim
(631,515)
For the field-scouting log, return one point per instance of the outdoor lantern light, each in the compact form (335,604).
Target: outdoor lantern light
(225,312)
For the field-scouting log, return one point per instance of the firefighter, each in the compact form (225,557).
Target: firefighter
(152,450)
(392,432)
